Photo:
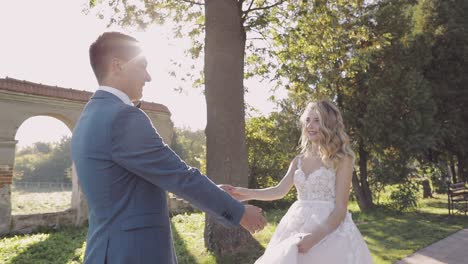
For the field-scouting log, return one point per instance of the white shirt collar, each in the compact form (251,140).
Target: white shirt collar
(121,95)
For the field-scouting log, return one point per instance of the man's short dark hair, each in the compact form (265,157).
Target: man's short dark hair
(111,45)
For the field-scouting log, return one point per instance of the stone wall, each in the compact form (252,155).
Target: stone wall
(177,205)
(6,175)
(23,224)
(5,209)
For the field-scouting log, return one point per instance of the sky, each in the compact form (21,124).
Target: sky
(47,42)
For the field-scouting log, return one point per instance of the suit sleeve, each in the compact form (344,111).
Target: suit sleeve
(137,147)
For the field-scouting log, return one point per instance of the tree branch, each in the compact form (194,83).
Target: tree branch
(193,2)
(244,16)
(114,2)
(267,40)
(256,38)
(264,7)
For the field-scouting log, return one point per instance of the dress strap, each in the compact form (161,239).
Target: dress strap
(299,162)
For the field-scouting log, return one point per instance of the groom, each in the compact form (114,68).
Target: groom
(125,168)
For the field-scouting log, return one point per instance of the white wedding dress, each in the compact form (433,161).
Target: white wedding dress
(316,200)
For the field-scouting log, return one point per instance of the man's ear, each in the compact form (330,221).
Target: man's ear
(116,65)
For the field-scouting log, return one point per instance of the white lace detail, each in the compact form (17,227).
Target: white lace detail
(318,185)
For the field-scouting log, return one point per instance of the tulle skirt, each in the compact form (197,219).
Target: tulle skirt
(344,245)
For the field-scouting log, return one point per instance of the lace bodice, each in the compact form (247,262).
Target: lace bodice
(318,185)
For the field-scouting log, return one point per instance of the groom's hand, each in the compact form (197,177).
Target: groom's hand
(253,219)
(226,187)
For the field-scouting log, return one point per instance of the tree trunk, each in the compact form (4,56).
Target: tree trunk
(452,169)
(462,175)
(363,204)
(427,191)
(226,151)
(360,185)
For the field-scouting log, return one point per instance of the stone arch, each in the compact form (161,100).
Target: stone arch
(28,185)
(20,100)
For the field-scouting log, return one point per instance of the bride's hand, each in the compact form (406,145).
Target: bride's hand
(306,243)
(238,193)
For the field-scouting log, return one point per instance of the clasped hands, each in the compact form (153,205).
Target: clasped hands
(306,242)
(253,219)
(237,193)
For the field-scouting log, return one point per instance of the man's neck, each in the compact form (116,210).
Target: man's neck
(119,93)
(115,85)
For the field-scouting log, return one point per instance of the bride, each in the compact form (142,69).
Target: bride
(318,227)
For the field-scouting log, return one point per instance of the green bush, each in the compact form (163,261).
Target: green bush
(191,147)
(405,197)
(272,144)
(44,162)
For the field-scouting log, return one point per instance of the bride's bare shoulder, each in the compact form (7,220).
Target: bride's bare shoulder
(345,164)
(297,159)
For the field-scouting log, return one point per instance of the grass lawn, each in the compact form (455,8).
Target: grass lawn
(39,201)
(390,235)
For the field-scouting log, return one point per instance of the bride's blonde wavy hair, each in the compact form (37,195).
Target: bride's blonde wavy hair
(333,142)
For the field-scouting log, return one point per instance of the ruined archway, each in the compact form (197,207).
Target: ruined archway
(20,100)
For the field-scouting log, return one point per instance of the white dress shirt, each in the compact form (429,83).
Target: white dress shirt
(121,95)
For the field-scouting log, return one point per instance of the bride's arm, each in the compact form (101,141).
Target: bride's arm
(344,175)
(266,194)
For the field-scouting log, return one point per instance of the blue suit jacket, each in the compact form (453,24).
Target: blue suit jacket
(125,169)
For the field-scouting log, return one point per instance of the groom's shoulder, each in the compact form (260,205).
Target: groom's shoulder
(124,111)
(108,106)
(108,111)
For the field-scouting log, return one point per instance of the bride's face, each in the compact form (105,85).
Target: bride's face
(312,126)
